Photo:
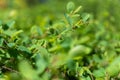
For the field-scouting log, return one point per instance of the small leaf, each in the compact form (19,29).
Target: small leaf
(88,78)
(11,23)
(75,15)
(36,30)
(44,53)
(27,71)
(78,9)
(114,68)
(85,17)
(1,41)
(24,49)
(11,45)
(16,33)
(58,60)
(70,6)
(99,73)
(79,50)
(68,19)
(8,25)
(39,31)
(40,63)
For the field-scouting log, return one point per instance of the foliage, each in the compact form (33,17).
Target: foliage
(74,47)
(106,11)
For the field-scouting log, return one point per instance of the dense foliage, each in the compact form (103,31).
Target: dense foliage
(74,45)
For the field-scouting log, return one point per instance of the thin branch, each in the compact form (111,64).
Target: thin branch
(10,69)
(2,47)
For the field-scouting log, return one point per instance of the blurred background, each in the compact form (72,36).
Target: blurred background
(106,11)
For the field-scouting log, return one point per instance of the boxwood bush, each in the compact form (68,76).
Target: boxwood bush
(71,46)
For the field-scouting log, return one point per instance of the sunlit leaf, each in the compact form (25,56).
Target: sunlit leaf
(27,71)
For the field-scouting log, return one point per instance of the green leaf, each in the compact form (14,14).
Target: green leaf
(24,49)
(114,68)
(87,78)
(1,41)
(69,20)
(8,25)
(39,31)
(11,45)
(44,53)
(99,73)
(70,6)
(36,30)
(79,50)
(11,23)
(58,60)
(40,63)
(85,17)
(27,71)
(16,33)
(77,10)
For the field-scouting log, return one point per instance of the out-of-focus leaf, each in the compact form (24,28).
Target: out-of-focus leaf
(11,45)
(11,23)
(8,25)
(40,63)
(70,6)
(35,30)
(24,49)
(68,19)
(58,60)
(77,10)
(99,73)
(16,33)
(79,50)
(86,78)
(114,68)
(27,71)
(85,17)
(1,41)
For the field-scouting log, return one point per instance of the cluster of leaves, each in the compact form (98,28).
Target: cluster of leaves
(77,47)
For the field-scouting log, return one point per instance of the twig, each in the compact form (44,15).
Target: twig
(7,68)
(2,47)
